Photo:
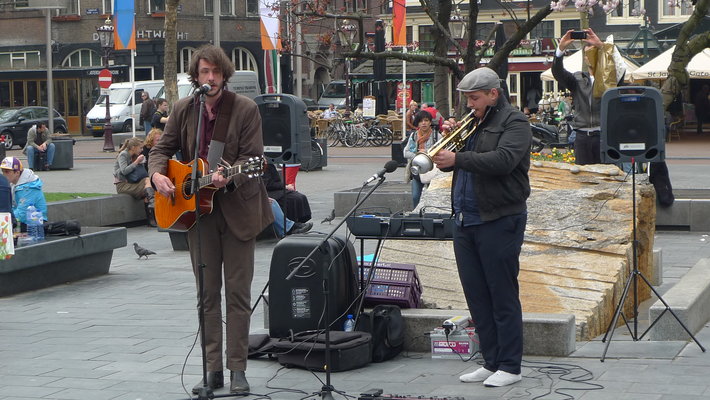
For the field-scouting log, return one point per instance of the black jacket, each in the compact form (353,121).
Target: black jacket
(500,161)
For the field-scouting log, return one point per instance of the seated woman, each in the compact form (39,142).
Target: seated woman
(131,177)
(150,140)
(295,204)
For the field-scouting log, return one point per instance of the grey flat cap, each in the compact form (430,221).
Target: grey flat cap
(479,79)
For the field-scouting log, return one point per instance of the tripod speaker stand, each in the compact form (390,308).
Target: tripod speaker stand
(632,123)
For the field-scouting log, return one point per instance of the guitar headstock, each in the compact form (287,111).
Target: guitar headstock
(254,167)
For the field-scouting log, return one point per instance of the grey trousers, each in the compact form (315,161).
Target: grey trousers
(224,256)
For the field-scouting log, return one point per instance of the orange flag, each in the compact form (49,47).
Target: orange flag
(399,29)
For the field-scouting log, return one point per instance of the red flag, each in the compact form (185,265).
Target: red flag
(399,29)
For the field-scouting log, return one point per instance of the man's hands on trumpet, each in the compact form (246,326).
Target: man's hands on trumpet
(444,159)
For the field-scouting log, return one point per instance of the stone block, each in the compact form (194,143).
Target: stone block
(656,277)
(61,259)
(63,154)
(690,301)
(700,215)
(119,209)
(677,214)
(549,334)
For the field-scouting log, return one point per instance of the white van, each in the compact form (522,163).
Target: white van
(333,93)
(120,96)
(245,83)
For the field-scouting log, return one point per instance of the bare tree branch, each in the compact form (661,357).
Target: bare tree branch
(444,31)
(515,39)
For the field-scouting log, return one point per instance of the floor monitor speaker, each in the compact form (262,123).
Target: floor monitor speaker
(297,305)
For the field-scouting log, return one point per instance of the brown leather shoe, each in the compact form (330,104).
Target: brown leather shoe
(215,380)
(238,382)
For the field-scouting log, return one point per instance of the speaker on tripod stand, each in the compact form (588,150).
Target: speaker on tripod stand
(632,129)
(632,125)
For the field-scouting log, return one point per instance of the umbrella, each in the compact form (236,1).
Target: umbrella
(698,67)
(573,63)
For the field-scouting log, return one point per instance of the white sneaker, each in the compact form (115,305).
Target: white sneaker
(502,378)
(478,375)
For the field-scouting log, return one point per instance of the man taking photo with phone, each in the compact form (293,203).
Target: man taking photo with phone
(587,89)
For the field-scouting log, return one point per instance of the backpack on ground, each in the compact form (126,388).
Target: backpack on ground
(386,325)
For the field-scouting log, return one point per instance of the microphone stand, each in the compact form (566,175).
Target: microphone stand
(327,389)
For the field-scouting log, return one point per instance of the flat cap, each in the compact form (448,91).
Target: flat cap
(479,79)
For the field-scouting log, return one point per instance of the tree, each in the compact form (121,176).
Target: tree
(170,74)
(686,48)
(440,12)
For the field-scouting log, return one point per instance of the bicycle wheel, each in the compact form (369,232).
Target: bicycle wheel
(387,136)
(332,137)
(376,136)
(350,138)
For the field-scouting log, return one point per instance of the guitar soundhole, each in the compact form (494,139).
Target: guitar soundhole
(187,187)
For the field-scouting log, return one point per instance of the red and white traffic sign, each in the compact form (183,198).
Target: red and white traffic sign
(105,78)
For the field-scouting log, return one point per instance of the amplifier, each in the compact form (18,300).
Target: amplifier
(403,225)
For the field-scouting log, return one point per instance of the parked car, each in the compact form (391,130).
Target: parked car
(311,105)
(16,121)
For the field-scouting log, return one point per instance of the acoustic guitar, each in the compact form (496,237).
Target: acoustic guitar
(179,211)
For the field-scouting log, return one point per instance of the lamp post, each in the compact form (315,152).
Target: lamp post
(347,35)
(106,39)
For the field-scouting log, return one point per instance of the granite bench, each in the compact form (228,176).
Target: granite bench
(117,209)
(690,301)
(61,259)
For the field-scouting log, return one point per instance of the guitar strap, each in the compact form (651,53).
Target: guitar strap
(219,136)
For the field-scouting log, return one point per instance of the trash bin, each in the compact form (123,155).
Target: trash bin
(63,153)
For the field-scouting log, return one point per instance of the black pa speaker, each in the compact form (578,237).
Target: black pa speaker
(632,125)
(298,304)
(285,128)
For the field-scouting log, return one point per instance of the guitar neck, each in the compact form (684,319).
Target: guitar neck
(227,173)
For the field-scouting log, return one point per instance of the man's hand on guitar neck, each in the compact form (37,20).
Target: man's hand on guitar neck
(163,184)
(218,178)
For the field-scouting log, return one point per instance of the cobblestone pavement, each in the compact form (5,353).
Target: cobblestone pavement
(130,334)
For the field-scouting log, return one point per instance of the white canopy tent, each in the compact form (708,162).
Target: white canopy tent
(573,63)
(698,67)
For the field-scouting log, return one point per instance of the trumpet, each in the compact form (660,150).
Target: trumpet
(454,141)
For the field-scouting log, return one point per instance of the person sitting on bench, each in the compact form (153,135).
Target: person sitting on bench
(39,141)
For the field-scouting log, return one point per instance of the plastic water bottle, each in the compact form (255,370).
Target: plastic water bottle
(35,228)
(349,325)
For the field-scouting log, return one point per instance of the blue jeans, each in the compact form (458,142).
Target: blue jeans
(147,126)
(417,188)
(31,155)
(279,219)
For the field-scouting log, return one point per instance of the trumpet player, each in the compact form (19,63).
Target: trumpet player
(488,194)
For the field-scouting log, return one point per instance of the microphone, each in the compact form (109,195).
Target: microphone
(203,89)
(390,166)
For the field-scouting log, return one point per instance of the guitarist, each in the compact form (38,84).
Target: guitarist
(241,208)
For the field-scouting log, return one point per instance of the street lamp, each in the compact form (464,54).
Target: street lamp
(347,35)
(106,39)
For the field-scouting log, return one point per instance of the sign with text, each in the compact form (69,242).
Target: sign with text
(368,106)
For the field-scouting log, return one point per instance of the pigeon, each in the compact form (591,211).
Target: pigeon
(141,251)
(329,218)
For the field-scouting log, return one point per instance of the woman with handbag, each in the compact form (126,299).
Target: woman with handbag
(131,177)
(419,142)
